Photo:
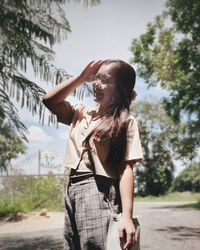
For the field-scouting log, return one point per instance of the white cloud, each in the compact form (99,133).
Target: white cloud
(37,135)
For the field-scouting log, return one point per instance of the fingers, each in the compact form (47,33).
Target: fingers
(122,237)
(127,240)
(130,240)
(90,70)
(94,66)
(97,64)
(122,233)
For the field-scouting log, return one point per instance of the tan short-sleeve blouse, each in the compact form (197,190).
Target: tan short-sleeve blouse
(81,124)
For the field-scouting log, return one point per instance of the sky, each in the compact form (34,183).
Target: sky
(104,31)
(98,32)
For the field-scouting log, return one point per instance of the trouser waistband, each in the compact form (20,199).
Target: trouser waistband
(77,178)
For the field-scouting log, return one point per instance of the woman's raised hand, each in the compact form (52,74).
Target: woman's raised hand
(90,70)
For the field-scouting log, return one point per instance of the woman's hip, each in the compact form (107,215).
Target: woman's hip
(94,193)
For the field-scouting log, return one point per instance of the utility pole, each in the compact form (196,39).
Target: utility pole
(39,162)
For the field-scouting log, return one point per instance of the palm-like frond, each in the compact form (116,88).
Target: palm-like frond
(28,30)
(9,112)
(83,90)
(87,3)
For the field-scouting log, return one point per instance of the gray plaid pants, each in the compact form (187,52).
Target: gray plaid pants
(87,212)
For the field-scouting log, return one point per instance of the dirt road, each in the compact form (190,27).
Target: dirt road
(164,226)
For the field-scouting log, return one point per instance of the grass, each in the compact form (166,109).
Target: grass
(171,197)
(27,202)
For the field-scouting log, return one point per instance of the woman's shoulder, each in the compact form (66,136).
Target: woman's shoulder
(82,110)
(132,124)
(81,107)
(131,118)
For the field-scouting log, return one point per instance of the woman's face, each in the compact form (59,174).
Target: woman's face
(104,85)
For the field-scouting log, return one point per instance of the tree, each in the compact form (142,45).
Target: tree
(188,179)
(10,144)
(155,173)
(168,55)
(28,31)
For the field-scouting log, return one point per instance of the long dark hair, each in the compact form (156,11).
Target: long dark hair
(114,126)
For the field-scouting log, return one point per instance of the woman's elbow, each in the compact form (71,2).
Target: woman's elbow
(46,101)
(45,98)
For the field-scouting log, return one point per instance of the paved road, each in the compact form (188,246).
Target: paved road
(169,226)
(164,226)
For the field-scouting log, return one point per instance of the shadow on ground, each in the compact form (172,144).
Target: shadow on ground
(192,205)
(43,243)
(180,233)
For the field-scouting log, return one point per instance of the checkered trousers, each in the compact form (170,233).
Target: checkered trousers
(87,212)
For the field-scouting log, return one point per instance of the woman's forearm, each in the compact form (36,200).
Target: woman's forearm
(126,187)
(61,91)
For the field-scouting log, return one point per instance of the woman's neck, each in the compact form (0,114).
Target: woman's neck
(100,110)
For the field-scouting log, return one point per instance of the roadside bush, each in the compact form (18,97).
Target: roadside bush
(188,179)
(22,194)
(7,208)
(42,192)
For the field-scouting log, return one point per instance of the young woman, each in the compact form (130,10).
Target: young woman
(103,146)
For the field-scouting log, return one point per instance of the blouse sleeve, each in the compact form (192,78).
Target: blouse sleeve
(64,112)
(134,148)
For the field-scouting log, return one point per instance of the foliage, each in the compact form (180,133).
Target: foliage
(198,204)
(28,31)
(11,144)
(88,2)
(8,208)
(168,55)
(29,193)
(188,179)
(155,173)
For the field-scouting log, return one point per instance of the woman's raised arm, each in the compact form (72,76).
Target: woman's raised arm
(62,90)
